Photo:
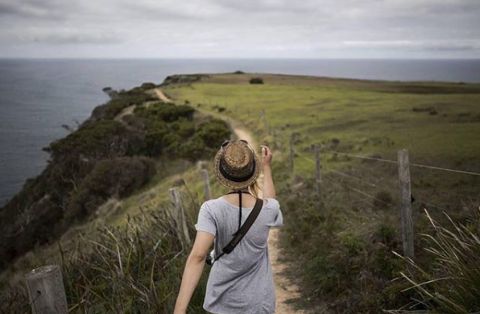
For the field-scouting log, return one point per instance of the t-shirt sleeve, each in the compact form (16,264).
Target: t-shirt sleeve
(276,218)
(206,221)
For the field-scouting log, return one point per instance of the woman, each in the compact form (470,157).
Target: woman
(242,281)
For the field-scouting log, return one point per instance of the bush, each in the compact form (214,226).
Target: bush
(256,80)
(147,85)
(117,177)
(165,111)
(213,133)
(122,100)
(97,140)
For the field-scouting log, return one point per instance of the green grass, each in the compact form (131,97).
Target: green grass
(358,113)
(344,247)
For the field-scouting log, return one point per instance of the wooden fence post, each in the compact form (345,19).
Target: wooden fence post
(46,291)
(318,176)
(180,213)
(291,158)
(406,203)
(206,184)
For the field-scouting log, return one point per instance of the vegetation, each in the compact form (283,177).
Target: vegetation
(117,177)
(343,243)
(453,283)
(111,155)
(126,269)
(122,99)
(256,80)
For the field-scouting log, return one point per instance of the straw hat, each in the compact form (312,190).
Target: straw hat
(236,165)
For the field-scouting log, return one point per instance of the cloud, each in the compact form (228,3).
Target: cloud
(32,9)
(246,28)
(439,45)
(75,37)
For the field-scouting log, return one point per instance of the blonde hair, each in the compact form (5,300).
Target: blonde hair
(254,188)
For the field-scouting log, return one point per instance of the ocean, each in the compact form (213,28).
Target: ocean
(38,96)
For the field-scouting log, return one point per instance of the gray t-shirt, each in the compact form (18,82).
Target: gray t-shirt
(242,281)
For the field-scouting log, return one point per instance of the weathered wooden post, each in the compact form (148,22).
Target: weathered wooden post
(46,291)
(318,176)
(180,213)
(406,203)
(206,184)
(291,159)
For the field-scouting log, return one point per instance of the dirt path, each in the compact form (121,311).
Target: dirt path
(284,288)
(161,95)
(126,111)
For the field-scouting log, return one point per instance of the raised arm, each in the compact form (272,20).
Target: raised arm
(268,186)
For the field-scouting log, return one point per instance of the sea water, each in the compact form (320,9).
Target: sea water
(37,97)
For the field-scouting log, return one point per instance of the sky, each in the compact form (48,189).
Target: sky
(240,29)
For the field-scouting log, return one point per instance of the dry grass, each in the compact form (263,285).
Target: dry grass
(453,283)
(133,268)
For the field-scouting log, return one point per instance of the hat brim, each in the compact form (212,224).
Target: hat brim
(233,184)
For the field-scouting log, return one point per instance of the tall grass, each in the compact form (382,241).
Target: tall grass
(453,283)
(135,268)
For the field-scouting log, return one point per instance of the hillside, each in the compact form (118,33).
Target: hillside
(119,244)
(128,145)
(343,239)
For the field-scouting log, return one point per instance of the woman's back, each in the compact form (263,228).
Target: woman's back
(242,281)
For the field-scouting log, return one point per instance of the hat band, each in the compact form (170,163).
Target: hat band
(236,179)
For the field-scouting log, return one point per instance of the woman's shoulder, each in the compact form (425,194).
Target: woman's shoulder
(211,204)
(271,202)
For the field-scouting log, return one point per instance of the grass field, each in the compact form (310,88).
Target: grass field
(344,249)
(439,123)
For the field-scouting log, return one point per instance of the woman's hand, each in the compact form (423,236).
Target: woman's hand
(268,186)
(266,156)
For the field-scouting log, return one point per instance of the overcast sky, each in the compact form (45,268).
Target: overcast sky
(240,28)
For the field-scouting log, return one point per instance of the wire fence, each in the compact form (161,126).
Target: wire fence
(368,187)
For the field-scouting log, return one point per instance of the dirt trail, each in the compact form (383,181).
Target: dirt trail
(161,95)
(284,288)
(126,111)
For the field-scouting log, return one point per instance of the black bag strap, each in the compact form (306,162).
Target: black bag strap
(243,229)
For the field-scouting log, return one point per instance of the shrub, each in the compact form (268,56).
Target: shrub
(165,111)
(256,80)
(147,85)
(121,100)
(117,177)
(213,132)
(98,140)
